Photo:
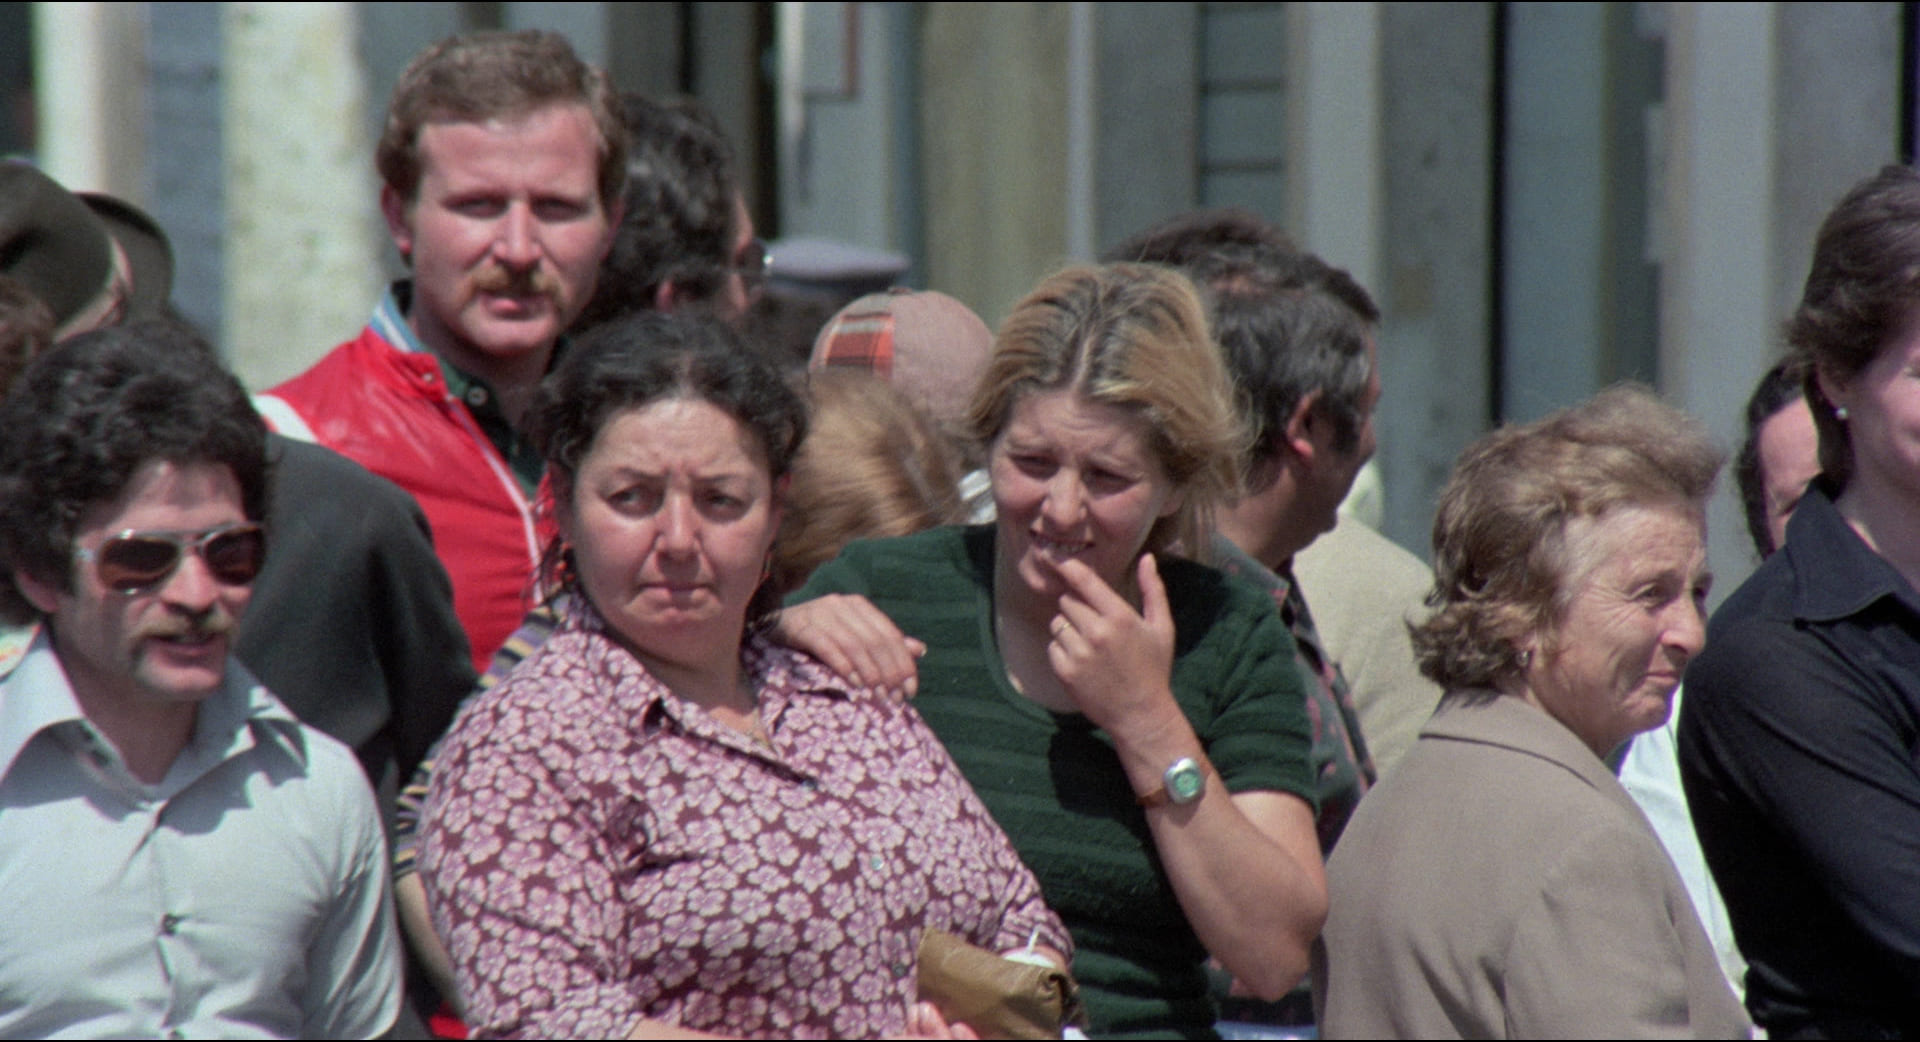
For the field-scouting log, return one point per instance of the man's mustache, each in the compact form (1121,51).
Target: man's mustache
(501,280)
(217,622)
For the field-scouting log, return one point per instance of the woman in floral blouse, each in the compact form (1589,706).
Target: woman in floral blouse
(661,820)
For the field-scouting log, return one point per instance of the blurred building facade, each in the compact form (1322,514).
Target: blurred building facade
(1545,198)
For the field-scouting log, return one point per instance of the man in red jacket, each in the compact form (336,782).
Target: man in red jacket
(503,166)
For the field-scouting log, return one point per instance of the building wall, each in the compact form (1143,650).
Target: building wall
(1520,264)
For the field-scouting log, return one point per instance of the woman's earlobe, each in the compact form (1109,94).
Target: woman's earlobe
(1176,501)
(1830,393)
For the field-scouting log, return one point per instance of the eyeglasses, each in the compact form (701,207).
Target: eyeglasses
(133,562)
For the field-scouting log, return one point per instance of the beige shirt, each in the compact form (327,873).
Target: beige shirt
(1364,588)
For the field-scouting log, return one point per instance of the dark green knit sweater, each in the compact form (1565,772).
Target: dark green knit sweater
(1054,782)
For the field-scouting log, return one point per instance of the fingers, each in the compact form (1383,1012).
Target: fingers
(1085,584)
(1153,595)
(924,1021)
(856,640)
(1070,638)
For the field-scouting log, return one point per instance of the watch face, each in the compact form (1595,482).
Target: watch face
(1185,782)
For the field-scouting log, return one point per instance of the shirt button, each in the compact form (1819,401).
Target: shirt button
(876,862)
(170,924)
(476,396)
(899,969)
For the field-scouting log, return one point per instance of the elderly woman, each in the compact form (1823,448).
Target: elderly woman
(1133,720)
(1501,883)
(659,821)
(1798,741)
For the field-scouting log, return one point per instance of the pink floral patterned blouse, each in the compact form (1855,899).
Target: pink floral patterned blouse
(598,851)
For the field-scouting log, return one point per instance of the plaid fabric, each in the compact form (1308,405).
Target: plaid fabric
(858,340)
(1343,770)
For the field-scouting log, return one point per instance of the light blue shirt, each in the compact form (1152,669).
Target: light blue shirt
(1651,775)
(243,896)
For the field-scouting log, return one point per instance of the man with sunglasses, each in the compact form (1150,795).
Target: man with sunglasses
(182,857)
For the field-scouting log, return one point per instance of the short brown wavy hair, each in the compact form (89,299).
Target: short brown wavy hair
(494,75)
(1500,556)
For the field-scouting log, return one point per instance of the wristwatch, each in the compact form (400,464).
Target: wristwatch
(1182,784)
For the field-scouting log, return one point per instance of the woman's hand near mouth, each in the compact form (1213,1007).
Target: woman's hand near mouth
(1115,662)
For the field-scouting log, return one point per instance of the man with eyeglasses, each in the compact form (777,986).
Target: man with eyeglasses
(181,857)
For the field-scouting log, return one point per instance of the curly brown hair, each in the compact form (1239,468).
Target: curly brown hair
(1500,551)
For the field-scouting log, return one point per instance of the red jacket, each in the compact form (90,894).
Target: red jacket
(389,410)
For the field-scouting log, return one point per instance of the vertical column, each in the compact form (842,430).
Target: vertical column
(1717,318)
(91,95)
(304,240)
(1333,150)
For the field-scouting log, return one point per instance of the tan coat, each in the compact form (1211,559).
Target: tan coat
(1501,884)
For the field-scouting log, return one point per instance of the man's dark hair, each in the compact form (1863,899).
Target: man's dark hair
(1290,323)
(1184,239)
(1862,290)
(1779,388)
(679,224)
(88,414)
(497,75)
(26,328)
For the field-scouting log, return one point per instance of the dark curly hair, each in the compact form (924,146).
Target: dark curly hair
(679,223)
(1779,388)
(88,414)
(647,357)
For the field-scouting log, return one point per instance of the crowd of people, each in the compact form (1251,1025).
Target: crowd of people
(567,656)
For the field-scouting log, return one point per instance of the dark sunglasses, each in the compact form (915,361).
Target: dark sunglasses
(132,562)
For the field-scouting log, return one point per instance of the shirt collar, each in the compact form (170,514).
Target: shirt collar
(37,696)
(34,697)
(482,401)
(1836,575)
(390,321)
(390,318)
(775,672)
